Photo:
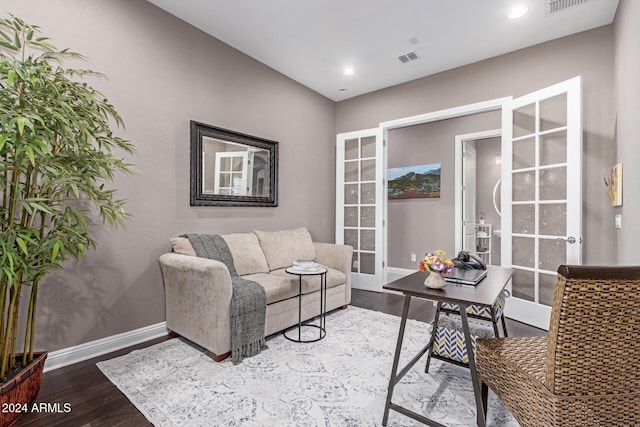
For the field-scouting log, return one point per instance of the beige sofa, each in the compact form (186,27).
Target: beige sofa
(198,290)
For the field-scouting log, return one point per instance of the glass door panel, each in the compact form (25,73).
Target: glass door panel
(542,213)
(358,211)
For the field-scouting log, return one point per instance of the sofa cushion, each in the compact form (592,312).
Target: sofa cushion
(182,246)
(282,248)
(247,254)
(277,288)
(311,283)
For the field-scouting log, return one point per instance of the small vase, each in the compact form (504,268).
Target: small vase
(435,281)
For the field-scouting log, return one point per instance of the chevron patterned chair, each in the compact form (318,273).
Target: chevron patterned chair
(585,372)
(448,342)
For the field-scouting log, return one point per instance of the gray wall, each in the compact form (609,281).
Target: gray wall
(163,73)
(627,72)
(589,54)
(419,225)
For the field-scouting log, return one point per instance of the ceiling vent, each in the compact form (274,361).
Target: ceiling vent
(407,57)
(554,6)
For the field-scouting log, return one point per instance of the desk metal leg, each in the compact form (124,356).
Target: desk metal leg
(472,366)
(396,359)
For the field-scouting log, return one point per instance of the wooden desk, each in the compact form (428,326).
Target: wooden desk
(485,293)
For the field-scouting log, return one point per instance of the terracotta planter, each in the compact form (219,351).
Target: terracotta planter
(21,390)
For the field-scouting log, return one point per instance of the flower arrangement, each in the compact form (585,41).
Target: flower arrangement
(436,262)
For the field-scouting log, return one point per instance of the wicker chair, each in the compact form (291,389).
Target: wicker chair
(586,372)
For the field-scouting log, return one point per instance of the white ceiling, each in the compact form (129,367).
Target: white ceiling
(312,41)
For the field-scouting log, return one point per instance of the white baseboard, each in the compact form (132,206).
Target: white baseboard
(70,355)
(402,271)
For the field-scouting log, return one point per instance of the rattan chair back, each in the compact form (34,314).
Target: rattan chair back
(594,332)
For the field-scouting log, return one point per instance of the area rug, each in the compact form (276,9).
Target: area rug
(339,381)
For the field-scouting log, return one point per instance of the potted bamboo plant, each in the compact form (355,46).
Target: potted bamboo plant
(57,150)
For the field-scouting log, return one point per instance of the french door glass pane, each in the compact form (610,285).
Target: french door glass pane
(368,147)
(351,194)
(238,163)
(524,153)
(368,216)
(351,216)
(524,121)
(553,253)
(351,149)
(368,240)
(524,189)
(354,263)
(523,285)
(524,219)
(553,219)
(368,170)
(553,184)
(553,148)
(553,112)
(368,193)
(523,251)
(367,263)
(225,164)
(546,286)
(351,238)
(351,171)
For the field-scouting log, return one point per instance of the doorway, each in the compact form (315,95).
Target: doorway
(478,170)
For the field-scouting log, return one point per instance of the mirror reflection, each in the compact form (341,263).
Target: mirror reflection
(234,169)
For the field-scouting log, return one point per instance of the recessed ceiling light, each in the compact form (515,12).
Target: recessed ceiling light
(517,11)
(348,71)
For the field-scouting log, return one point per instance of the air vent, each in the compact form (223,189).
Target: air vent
(554,6)
(407,57)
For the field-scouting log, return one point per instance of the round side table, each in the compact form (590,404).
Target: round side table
(322,272)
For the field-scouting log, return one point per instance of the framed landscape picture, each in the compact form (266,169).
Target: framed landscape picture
(414,182)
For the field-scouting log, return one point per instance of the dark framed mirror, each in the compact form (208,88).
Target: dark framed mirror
(229,168)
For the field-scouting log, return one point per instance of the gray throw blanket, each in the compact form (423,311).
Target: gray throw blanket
(248,300)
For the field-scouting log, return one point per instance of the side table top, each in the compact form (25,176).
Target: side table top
(306,271)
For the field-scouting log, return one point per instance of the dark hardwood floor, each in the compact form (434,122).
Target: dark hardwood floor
(96,402)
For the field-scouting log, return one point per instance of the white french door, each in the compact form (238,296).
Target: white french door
(359,204)
(541,195)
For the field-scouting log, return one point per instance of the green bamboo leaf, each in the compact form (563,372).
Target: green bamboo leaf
(20,122)
(8,45)
(30,35)
(29,151)
(5,36)
(54,254)
(10,75)
(3,139)
(23,245)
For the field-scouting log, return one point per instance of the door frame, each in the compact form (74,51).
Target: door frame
(459,171)
(496,104)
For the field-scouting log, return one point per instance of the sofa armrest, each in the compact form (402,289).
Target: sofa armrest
(338,257)
(198,300)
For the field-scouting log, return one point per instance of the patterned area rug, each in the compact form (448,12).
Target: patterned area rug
(339,381)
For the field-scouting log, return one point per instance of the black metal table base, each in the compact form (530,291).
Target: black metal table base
(397,376)
(323,308)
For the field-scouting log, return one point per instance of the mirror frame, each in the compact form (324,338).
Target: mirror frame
(199,198)
(497,193)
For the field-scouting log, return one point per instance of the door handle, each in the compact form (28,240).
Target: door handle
(569,239)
